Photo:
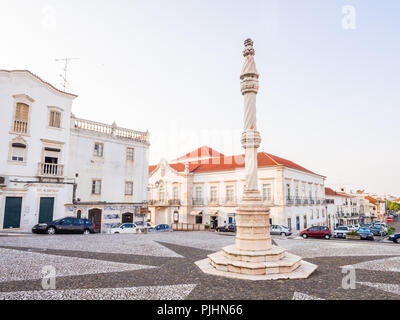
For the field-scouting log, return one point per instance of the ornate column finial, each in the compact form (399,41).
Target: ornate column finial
(248,44)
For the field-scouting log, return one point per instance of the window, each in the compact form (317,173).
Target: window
(175,193)
(55,119)
(21,118)
(161,194)
(98,149)
(199,219)
(288,191)
(198,195)
(130,154)
(96,187)
(67,221)
(229,193)
(305,221)
(128,188)
(18,152)
(213,194)
(289,223)
(266,192)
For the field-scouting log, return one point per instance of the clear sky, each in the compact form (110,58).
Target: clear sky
(329,96)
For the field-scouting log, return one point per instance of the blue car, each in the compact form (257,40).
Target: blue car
(365,233)
(161,228)
(395,238)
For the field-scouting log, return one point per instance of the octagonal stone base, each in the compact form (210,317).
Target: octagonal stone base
(271,264)
(303,271)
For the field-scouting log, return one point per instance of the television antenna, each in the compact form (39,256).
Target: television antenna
(64,76)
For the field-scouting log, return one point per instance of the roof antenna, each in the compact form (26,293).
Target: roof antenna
(64,76)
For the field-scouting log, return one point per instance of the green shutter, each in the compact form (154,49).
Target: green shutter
(46,210)
(12,213)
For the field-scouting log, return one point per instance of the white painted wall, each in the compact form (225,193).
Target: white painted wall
(76,154)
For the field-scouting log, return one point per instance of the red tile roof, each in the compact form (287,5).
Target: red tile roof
(202,152)
(331,192)
(40,79)
(372,200)
(226,163)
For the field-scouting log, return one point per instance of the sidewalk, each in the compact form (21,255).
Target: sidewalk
(15,233)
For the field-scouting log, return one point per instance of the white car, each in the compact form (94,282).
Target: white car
(123,228)
(340,232)
(352,228)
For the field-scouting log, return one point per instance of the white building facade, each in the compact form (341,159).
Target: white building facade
(55,165)
(204,188)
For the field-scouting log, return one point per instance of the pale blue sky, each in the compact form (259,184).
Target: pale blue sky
(329,97)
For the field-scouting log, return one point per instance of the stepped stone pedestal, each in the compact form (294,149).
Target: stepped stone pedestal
(253,257)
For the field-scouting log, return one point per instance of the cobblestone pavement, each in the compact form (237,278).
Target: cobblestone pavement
(161,266)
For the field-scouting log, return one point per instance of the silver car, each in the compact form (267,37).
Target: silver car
(280,230)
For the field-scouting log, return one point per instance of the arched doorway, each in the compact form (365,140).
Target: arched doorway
(95,217)
(127,217)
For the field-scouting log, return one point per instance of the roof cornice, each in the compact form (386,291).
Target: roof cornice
(40,80)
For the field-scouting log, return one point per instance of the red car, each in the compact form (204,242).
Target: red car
(316,232)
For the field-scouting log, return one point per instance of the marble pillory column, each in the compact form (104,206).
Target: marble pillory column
(253,257)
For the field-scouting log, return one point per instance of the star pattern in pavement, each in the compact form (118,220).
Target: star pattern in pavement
(153,277)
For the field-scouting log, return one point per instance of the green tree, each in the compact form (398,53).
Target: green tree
(392,206)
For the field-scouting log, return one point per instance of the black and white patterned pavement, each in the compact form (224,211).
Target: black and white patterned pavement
(161,266)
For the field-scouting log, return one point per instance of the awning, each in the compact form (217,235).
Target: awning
(213,213)
(196,213)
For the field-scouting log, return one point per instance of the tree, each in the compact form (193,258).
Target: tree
(393,206)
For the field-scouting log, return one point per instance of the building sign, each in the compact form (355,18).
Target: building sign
(112,216)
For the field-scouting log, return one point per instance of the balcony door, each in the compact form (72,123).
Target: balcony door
(51,161)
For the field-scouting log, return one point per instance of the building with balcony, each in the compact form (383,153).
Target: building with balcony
(207,187)
(53,164)
(344,208)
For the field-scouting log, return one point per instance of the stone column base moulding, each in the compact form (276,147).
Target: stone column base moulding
(253,257)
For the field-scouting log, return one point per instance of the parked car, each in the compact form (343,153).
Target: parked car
(140,224)
(378,230)
(316,232)
(231,227)
(383,224)
(367,225)
(280,230)
(340,231)
(352,228)
(123,228)
(161,228)
(66,225)
(365,233)
(395,238)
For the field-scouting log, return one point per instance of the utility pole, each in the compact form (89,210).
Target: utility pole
(64,76)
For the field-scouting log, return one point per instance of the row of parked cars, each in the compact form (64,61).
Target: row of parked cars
(366,231)
(71,225)
(274,229)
